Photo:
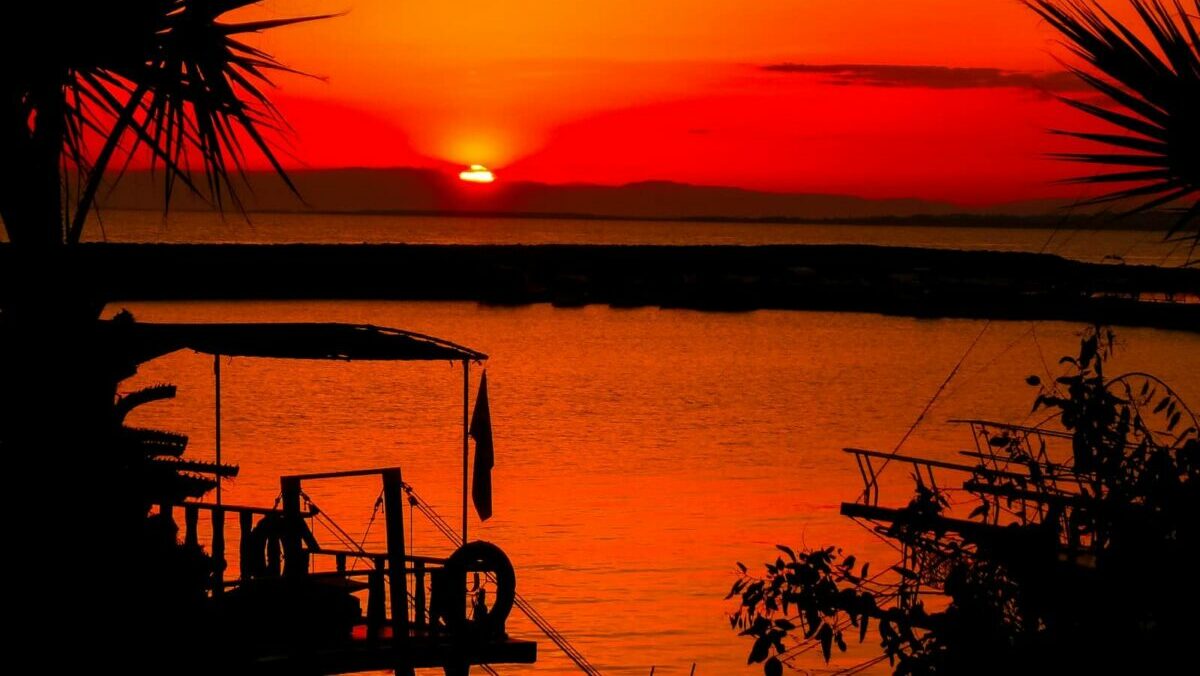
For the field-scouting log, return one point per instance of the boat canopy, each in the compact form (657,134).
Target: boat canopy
(348,342)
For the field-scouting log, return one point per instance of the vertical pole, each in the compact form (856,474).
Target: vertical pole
(296,564)
(191,523)
(393,514)
(466,450)
(217,378)
(246,524)
(376,606)
(218,551)
(419,611)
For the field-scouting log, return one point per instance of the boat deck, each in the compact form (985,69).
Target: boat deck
(298,608)
(423,650)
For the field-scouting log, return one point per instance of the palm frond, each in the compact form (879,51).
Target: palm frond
(203,93)
(167,76)
(140,397)
(1153,90)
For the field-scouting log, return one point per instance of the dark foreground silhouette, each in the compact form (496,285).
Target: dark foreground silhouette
(1061,549)
(137,586)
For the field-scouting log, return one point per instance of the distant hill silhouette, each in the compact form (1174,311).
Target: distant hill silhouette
(404,190)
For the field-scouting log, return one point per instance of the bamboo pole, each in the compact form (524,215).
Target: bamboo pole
(466,450)
(217,379)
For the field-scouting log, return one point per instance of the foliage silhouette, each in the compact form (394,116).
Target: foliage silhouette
(86,87)
(164,76)
(1071,564)
(1153,92)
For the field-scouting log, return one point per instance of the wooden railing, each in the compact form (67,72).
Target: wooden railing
(217,541)
(285,547)
(418,571)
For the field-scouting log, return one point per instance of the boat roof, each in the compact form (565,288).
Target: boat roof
(349,342)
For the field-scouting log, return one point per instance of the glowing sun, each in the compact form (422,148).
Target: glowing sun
(477,173)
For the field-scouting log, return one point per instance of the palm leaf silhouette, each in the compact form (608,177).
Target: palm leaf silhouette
(168,77)
(154,458)
(1153,100)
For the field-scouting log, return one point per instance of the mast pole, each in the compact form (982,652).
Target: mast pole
(217,379)
(466,433)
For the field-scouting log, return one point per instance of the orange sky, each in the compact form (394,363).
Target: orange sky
(942,99)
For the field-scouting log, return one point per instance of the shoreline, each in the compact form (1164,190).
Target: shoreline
(833,277)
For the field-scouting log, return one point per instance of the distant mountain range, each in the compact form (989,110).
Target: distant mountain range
(425,191)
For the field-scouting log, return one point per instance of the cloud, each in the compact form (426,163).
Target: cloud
(933,77)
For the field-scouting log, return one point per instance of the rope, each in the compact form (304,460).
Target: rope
(925,411)
(967,378)
(530,612)
(859,668)
(329,523)
(339,533)
(367,531)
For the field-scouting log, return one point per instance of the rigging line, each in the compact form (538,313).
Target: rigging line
(1139,239)
(534,616)
(872,531)
(1042,356)
(1093,224)
(859,668)
(1171,252)
(978,372)
(875,477)
(342,536)
(451,535)
(349,539)
(1051,379)
(367,530)
(1054,231)
(320,522)
(348,544)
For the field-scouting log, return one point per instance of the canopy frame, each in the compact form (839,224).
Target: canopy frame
(327,341)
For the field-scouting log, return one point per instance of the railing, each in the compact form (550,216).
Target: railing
(275,542)
(1015,476)
(418,570)
(217,541)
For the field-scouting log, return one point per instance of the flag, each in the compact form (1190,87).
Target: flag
(485,459)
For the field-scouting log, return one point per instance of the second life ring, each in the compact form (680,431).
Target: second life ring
(449,597)
(262,548)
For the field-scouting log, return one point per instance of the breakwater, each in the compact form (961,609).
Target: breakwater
(861,278)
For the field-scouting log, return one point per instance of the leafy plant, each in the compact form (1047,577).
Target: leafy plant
(165,76)
(1153,92)
(1050,563)
(153,461)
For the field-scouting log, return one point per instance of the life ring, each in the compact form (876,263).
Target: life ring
(262,544)
(450,592)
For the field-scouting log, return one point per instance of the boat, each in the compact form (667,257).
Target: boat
(294,605)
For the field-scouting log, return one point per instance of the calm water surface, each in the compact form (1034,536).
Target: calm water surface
(149,226)
(639,453)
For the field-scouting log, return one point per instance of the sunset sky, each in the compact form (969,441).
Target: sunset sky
(939,99)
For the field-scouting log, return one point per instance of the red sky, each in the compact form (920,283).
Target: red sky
(941,99)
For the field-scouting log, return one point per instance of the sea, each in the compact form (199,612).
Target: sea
(640,454)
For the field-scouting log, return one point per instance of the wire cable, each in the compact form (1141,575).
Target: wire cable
(925,411)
